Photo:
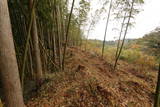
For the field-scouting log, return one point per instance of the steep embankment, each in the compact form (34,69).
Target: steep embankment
(90,82)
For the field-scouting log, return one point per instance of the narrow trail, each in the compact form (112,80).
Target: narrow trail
(90,82)
(125,87)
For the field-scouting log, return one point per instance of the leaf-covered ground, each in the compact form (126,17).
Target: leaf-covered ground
(89,81)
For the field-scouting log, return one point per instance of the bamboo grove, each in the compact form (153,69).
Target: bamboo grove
(42,30)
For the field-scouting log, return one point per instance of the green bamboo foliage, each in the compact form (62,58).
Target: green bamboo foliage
(56,27)
(129,10)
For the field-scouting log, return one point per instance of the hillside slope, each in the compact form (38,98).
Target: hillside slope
(90,82)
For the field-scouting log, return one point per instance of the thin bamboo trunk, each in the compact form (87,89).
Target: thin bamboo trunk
(157,94)
(36,50)
(121,31)
(125,33)
(27,46)
(87,36)
(59,33)
(66,41)
(108,17)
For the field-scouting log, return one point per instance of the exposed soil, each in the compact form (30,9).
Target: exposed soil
(89,81)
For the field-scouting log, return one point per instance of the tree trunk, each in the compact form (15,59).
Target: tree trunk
(110,7)
(121,31)
(157,96)
(88,36)
(36,50)
(67,31)
(9,73)
(125,33)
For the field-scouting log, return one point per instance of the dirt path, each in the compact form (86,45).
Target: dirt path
(90,82)
(126,88)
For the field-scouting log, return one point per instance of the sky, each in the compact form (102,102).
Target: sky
(145,22)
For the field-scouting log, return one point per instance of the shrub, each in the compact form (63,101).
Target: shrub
(137,57)
(130,55)
(110,53)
